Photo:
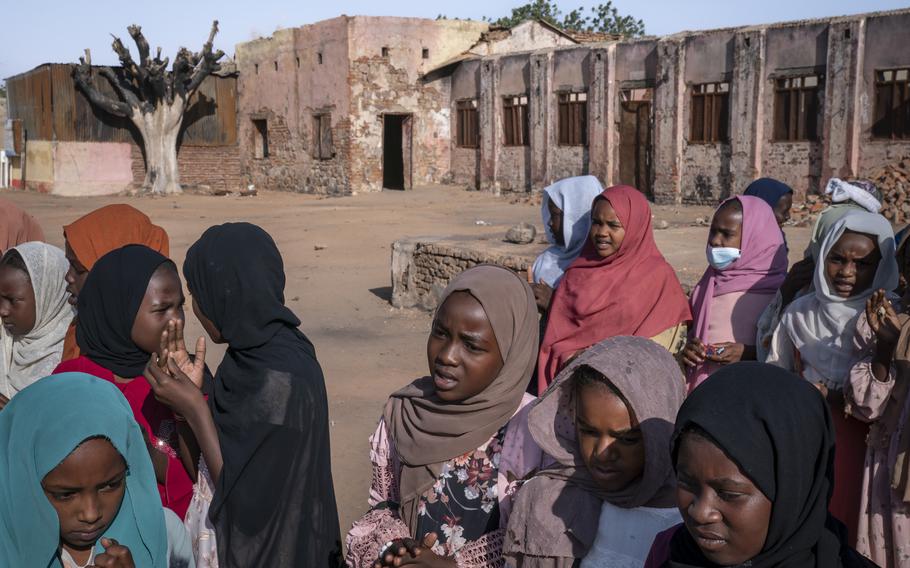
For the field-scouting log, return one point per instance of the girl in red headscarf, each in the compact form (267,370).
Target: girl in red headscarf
(620,284)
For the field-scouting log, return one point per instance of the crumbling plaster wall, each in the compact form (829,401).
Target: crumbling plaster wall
(392,84)
(791,51)
(881,50)
(283,82)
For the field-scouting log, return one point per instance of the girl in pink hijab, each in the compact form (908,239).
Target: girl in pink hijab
(747,263)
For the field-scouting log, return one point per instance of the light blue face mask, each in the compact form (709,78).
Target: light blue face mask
(722,257)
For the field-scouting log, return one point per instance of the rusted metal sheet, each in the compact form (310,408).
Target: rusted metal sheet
(50,107)
(29,99)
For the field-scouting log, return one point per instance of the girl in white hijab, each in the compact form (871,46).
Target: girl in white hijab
(35,315)
(566,212)
(818,339)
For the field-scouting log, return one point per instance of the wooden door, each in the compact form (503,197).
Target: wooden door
(406,154)
(635,145)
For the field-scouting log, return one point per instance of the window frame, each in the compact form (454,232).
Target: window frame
(516,121)
(895,83)
(467,124)
(801,125)
(714,100)
(572,118)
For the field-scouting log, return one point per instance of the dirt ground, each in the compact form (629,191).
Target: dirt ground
(341,291)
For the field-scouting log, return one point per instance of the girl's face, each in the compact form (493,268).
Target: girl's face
(207,324)
(727,227)
(162,303)
(607,232)
(17,301)
(851,264)
(75,276)
(611,444)
(555,223)
(782,209)
(86,490)
(726,514)
(462,350)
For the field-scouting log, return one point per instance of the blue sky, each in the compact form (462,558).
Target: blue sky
(36,31)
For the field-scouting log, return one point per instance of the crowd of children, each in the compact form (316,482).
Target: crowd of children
(595,418)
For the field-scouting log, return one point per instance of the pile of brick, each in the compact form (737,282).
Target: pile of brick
(894,182)
(804,213)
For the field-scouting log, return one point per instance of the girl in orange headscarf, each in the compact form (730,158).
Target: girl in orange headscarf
(96,234)
(17,226)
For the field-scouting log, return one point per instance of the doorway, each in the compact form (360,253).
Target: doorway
(396,151)
(635,139)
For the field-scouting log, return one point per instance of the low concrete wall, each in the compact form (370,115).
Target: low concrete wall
(91,168)
(422,267)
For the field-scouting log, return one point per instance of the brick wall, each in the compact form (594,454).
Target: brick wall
(215,166)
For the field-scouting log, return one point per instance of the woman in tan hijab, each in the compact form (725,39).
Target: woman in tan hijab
(450,446)
(606,420)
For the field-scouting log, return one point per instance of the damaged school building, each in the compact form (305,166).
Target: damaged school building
(365,103)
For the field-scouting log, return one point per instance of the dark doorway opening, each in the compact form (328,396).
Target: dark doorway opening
(635,139)
(396,151)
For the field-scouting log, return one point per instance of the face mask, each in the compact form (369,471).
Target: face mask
(722,257)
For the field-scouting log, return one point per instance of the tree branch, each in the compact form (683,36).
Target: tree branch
(125,93)
(141,43)
(205,63)
(82,75)
(134,72)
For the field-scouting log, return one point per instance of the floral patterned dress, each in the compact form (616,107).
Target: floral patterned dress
(467,507)
(463,504)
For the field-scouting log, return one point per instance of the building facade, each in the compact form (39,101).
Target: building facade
(692,117)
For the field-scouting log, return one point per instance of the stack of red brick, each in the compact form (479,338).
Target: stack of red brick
(894,182)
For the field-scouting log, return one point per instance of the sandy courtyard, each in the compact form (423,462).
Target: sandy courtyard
(340,292)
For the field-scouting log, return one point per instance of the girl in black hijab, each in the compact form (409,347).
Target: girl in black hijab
(273,502)
(753,450)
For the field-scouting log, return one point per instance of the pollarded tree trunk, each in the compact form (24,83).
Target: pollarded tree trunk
(153,98)
(159,130)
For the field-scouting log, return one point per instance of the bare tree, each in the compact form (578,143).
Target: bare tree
(153,98)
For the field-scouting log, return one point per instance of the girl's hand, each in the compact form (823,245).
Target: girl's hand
(115,555)
(543,294)
(726,353)
(693,354)
(172,342)
(424,557)
(882,318)
(171,386)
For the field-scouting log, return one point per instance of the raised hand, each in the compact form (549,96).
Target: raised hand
(172,386)
(882,318)
(172,342)
(115,555)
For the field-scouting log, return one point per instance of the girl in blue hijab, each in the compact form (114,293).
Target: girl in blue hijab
(775,193)
(76,483)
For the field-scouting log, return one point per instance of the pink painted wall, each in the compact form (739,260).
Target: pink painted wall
(91,168)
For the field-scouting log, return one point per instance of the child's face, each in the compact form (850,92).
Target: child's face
(851,264)
(86,490)
(782,209)
(75,276)
(726,514)
(17,301)
(611,444)
(607,232)
(555,224)
(162,303)
(727,227)
(462,350)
